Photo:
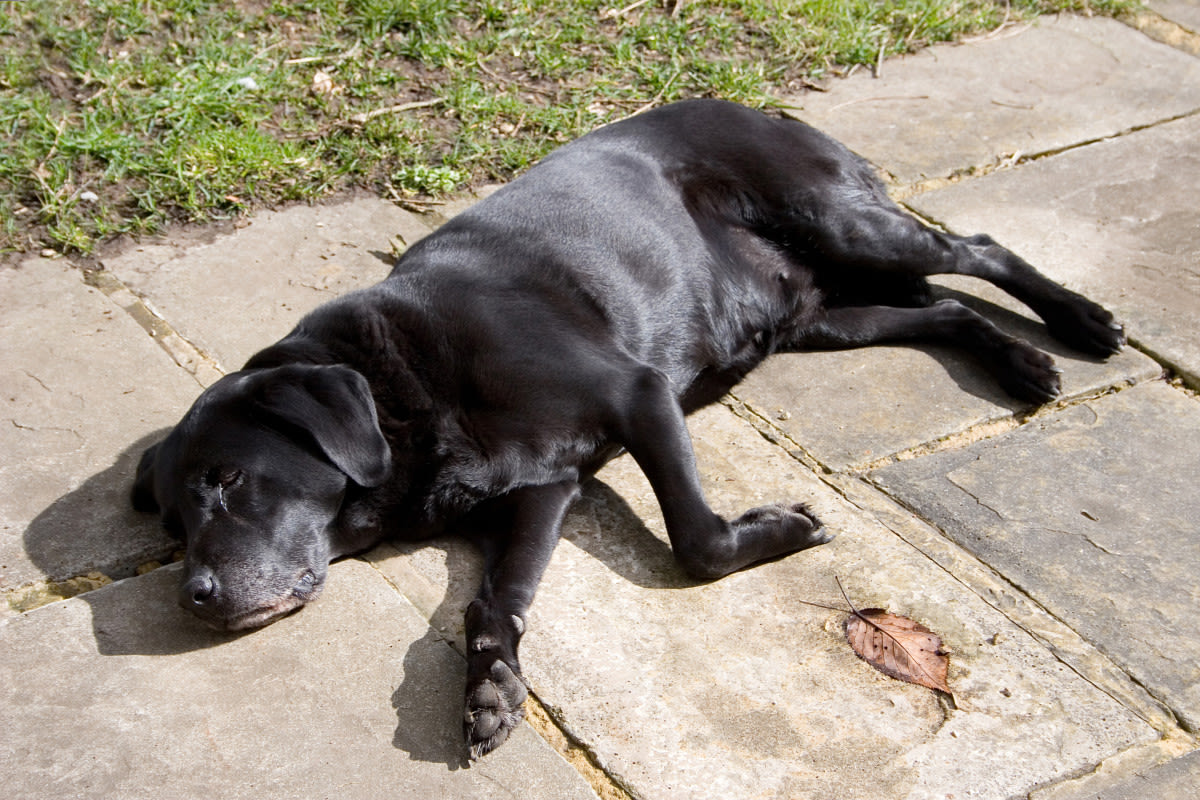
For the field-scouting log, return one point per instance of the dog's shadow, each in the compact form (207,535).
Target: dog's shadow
(967,373)
(94,529)
(601,524)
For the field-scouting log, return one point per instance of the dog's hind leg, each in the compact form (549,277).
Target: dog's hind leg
(515,559)
(872,232)
(708,547)
(1023,370)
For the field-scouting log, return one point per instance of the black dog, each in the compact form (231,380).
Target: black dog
(630,278)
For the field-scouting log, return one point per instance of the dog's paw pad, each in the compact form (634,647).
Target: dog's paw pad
(801,516)
(796,523)
(493,709)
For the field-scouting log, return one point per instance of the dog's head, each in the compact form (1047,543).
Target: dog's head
(254,477)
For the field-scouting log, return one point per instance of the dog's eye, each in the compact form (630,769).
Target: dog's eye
(223,477)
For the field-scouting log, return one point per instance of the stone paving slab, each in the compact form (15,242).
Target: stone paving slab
(240,293)
(1116,220)
(1174,780)
(83,390)
(1092,511)
(734,689)
(1181,12)
(849,408)
(1064,81)
(119,693)
(737,689)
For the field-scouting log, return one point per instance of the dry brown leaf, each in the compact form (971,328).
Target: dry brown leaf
(899,647)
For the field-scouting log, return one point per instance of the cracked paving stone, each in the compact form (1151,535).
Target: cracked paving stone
(1092,511)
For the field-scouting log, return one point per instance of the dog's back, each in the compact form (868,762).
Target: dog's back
(651,236)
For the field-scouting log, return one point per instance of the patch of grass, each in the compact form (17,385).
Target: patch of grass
(118,115)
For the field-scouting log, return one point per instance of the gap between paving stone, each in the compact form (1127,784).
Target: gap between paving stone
(1167,31)
(1173,780)
(902,192)
(982,579)
(973,432)
(547,723)
(192,360)
(998,528)
(917,125)
(1096,219)
(201,366)
(544,720)
(428,599)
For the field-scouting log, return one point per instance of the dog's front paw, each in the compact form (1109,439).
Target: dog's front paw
(494,708)
(795,524)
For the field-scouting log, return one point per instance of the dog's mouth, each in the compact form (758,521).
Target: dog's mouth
(306,589)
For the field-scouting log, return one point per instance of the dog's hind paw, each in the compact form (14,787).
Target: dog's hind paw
(494,708)
(1087,327)
(1029,374)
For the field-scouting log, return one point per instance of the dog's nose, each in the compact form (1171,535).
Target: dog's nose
(198,590)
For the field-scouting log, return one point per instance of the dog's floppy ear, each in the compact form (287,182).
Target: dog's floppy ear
(334,404)
(142,495)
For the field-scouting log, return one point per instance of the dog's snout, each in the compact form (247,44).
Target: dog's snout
(198,590)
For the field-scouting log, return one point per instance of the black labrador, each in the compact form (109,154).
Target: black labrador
(631,277)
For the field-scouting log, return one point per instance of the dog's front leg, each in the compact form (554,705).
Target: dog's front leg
(706,546)
(514,562)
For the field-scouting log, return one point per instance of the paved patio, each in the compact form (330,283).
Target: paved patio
(1055,550)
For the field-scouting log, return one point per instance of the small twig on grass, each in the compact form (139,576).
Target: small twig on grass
(614,14)
(654,100)
(40,172)
(353,51)
(363,118)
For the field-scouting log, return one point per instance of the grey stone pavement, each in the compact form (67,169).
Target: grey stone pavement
(1056,550)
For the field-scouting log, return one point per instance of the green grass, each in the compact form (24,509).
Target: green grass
(119,115)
